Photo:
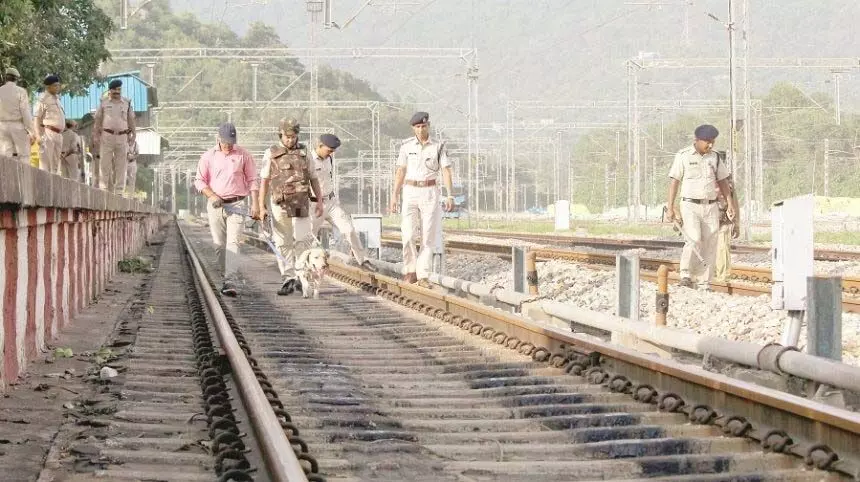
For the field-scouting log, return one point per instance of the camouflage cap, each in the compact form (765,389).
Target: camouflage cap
(289,125)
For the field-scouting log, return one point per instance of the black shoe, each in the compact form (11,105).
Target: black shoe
(686,283)
(287,288)
(297,286)
(227,289)
(368,267)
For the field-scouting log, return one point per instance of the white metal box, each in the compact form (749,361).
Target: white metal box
(791,251)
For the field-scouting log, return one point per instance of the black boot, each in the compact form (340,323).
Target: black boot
(287,288)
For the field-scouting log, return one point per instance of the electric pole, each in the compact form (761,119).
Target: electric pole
(826,167)
(746,219)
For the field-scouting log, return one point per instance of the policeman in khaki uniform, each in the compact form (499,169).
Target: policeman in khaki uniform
(16,122)
(49,124)
(694,172)
(113,131)
(333,213)
(72,155)
(287,176)
(131,170)
(418,166)
(729,229)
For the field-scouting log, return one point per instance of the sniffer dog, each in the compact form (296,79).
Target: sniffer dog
(311,267)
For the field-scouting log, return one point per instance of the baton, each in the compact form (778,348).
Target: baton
(690,242)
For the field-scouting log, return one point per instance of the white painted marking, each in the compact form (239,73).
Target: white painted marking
(67,282)
(21,294)
(57,295)
(40,283)
(2,304)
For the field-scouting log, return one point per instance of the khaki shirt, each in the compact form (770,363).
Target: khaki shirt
(50,111)
(15,105)
(324,173)
(116,115)
(71,143)
(698,174)
(422,162)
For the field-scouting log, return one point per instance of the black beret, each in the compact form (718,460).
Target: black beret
(706,132)
(419,118)
(51,79)
(330,140)
(114,84)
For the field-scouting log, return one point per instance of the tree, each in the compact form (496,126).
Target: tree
(41,37)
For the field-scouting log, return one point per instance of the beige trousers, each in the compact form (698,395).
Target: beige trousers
(113,150)
(421,213)
(131,176)
(70,167)
(723,264)
(14,139)
(225,228)
(701,223)
(334,214)
(292,236)
(50,151)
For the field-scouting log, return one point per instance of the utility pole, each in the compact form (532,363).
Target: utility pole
(254,67)
(617,160)
(826,167)
(837,96)
(746,219)
(173,188)
(759,163)
(732,96)
(556,169)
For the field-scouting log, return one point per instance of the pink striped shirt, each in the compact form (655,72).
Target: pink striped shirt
(228,175)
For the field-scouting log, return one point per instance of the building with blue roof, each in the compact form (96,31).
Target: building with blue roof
(142,95)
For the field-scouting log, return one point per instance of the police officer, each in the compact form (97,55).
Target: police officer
(729,229)
(131,170)
(418,166)
(287,176)
(49,124)
(333,213)
(72,154)
(16,122)
(113,131)
(694,172)
(227,175)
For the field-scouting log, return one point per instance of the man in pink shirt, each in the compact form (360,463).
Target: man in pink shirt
(226,175)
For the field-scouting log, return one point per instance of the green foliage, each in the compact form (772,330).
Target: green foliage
(39,37)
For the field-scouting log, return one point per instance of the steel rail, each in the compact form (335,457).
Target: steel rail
(850,285)
(278,453)
(815,424)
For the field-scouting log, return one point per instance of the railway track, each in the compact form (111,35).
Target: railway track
(745,280)
(620,244)
(393,382)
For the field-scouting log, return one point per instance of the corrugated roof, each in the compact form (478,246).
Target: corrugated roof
(142,95)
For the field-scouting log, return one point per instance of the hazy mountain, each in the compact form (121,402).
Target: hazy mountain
(557,50)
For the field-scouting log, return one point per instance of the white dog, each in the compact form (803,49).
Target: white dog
(311,268)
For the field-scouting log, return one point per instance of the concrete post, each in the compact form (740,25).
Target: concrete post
(518,261)
(627,277)
(824,317)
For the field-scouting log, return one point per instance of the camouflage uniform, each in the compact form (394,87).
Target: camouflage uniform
(290,174)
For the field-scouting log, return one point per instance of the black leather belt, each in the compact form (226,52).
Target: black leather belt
(328,198)
(117,133)
(699,201)
(231,200)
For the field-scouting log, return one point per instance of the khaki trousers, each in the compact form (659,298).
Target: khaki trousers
(225,228)
(50,151)
(723,264)
(701,223)
(292,236)
(14,139)
(131,177)
(114,157)
(334,214)
(421,211)
(70,167)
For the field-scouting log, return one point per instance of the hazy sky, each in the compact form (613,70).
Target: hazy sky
(560,50)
